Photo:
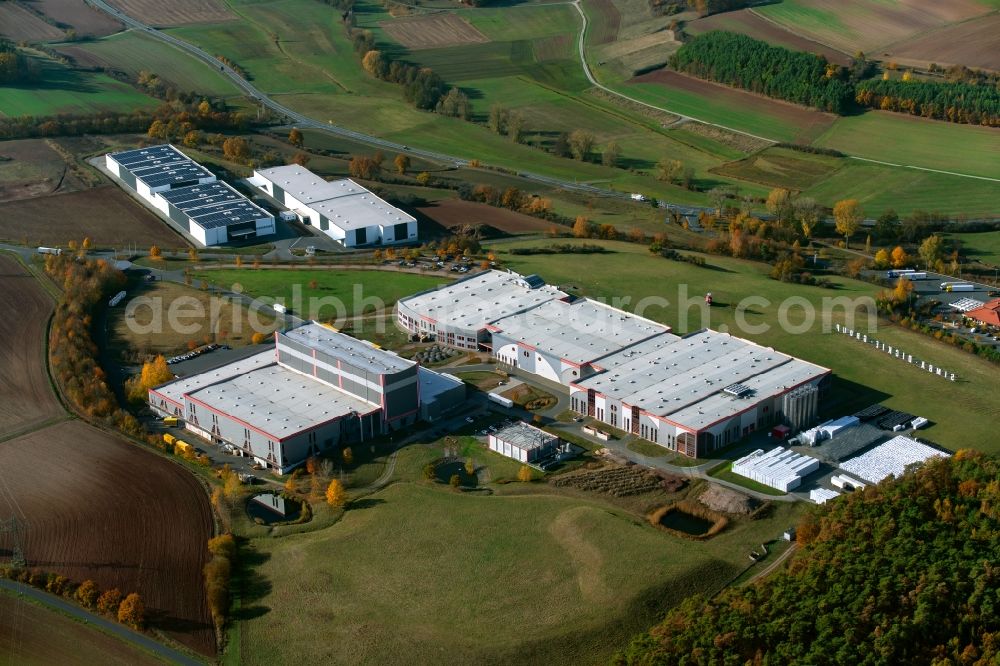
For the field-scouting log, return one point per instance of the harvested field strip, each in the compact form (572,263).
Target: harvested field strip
(86,20)
(26,397)
(104,509)
(452,213)
(603,29)
(106,215)
(970,43)
(19,24)
(427,32)
(175,12)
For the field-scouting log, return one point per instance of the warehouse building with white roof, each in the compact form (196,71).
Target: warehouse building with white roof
(342,209)
(459,314)
(693,394)
(316,390)
(189,195)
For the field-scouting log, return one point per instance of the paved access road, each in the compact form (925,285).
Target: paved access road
(115,629)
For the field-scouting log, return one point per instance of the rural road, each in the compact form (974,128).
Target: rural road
(303,121)
(117,630)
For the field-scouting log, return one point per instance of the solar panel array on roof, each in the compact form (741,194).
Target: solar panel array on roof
(214,205)
(157,166)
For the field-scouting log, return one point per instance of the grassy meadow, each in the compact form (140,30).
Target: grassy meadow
(356,289)
(132,52)
(530,573)
(63,89)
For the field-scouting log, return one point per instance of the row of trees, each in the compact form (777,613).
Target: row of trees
(422,87)
(218,573)
(72,352)
(15,67)
(127,609)
(954,102)
(755,65)
(931,539)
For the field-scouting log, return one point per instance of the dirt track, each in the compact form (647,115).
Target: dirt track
(26,398)
(100,508)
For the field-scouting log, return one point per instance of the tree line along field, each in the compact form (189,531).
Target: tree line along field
(99,507)
(531,574)
(862,376)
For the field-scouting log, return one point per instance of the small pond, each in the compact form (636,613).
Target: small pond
(271,508)
(685,522)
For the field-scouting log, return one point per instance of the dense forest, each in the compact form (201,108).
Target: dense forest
(955,102)
(905,572)
(14,66)
(750,64)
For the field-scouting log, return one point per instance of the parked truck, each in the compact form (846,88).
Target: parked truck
(181,447)
(961,287)
(49,250)
(170,421)
(168,438)
(500,400)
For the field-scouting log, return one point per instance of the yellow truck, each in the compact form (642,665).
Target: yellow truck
(168,438)
(181,447)
(170,421)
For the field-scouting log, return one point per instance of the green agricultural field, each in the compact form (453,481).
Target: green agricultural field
(355,291)
(133,52)
(902,139)
(66,90)
(527,575)
(862,375)
(880,188)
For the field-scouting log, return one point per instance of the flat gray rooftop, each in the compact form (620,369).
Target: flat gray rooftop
(176,389)
(344,202)
(473,302)
(683,380)
(524,436)
(358,353)
(279,401)
(580,331)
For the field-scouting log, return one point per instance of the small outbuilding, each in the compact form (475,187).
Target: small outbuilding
(523,442)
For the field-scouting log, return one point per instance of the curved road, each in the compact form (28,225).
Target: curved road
(115,629)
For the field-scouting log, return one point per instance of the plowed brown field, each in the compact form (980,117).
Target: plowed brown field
(86,20)
(454,213)
(175,12)
(19,24)
(26,398)
(106,215)
(98,507)
(431,32)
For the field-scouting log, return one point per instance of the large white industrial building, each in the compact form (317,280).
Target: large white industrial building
(187,193)
(317,389)
(342,209)
(693,394)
